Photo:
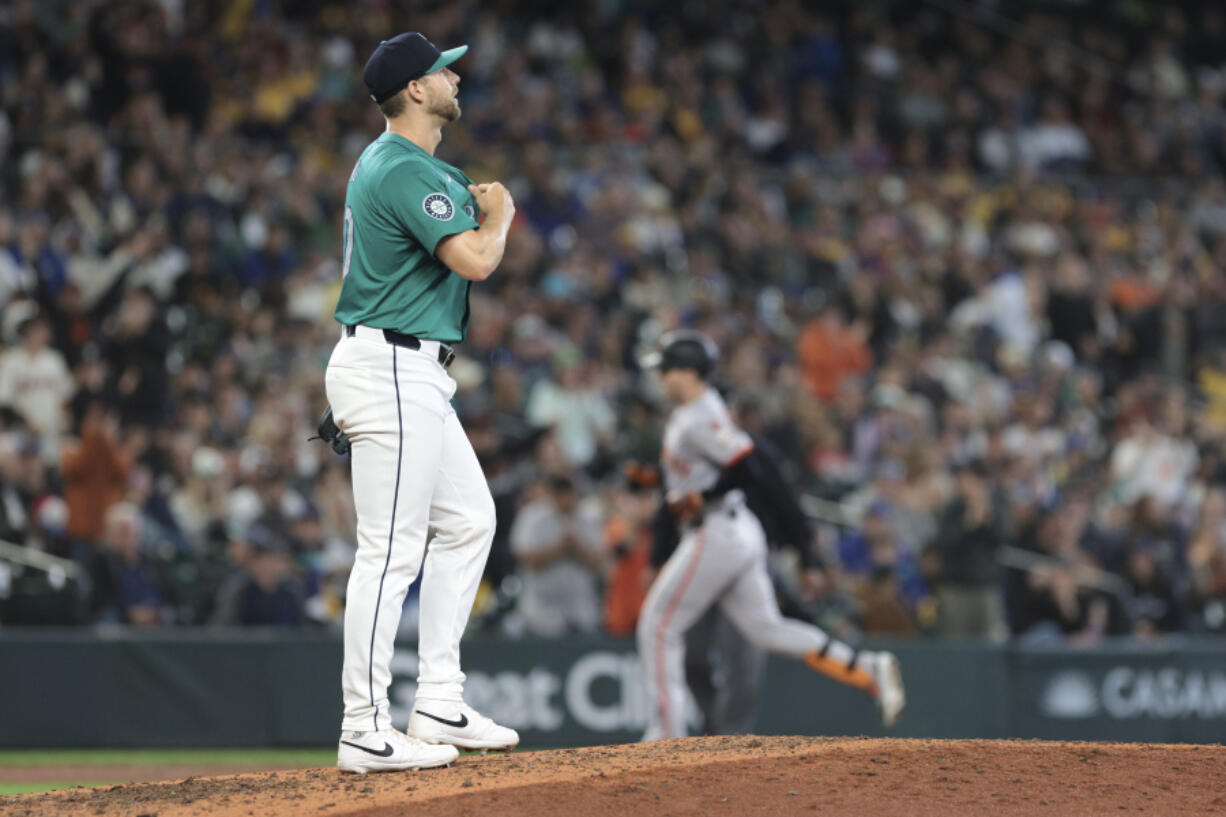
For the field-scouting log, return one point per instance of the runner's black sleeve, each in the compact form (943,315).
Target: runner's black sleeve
(768,493)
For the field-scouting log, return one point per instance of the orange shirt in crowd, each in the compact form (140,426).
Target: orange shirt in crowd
(1134,294)
(627,585)
(828,351)
(95,471)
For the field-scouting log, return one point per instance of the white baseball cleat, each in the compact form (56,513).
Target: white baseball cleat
(389,750)
(458,724)
(891,697)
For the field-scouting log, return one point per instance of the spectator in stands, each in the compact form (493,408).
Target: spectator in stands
(1155,532)
(264,590)
(828,350)
(557,545)
(48,526)
(35,382)
(135,348)
(95,472)
(1054,142)
(14,515)
(1153,608)
(1207,563)
(128,585)
(33,264)
(199,502)
(1150,462)
(1054,598)
(571,404)
(886,572)
(883,606)
(968,536)
(627,540)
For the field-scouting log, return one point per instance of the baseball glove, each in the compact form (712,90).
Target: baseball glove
(331,433)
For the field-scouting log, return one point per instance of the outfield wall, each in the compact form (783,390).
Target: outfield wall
(210,688)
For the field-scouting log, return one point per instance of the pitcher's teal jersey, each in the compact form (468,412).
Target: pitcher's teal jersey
(400,204)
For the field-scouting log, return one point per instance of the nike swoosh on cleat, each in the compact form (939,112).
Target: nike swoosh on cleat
(460,724)
(385,752)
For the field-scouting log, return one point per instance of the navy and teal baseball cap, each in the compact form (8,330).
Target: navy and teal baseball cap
(402,59)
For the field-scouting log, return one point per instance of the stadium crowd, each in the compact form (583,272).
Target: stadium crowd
(965,270)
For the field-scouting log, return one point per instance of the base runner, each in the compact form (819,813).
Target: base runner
(709,464)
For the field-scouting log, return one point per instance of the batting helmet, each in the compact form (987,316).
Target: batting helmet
(685,349)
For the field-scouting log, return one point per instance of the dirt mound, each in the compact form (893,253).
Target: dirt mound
(704,776)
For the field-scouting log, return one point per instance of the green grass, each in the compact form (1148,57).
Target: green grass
(35,788)
(50,758)
(166,757)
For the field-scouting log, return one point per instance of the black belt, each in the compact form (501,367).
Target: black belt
(446,354)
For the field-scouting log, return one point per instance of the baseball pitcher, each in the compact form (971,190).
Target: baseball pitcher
(412,248)
(709,465)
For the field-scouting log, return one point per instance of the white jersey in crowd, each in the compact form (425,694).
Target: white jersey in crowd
(37,386)
(700,440)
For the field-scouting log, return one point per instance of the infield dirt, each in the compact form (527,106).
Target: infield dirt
(709,776)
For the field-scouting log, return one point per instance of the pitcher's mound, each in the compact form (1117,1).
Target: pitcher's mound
(711,776)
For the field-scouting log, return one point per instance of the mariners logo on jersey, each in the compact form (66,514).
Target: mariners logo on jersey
(439,206)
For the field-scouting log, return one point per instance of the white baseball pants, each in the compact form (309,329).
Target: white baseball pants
(416,479)
(723,562)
